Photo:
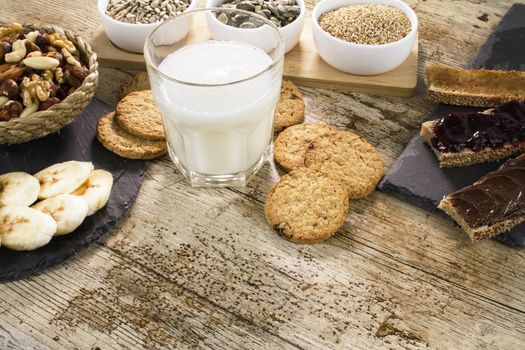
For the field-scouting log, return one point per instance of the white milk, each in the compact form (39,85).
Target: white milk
(218,130)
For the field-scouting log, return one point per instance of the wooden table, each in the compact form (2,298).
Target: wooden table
(200,268)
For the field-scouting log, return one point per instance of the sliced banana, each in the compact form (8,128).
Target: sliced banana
(18,189)
(62,178)
(67,210)
(96,190)
(23,228)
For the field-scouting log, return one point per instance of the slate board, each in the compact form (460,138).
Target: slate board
(416,176)
(76,141)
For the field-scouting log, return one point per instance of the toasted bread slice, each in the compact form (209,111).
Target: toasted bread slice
(493,204)
(468,157)
(478,88)
(482,232)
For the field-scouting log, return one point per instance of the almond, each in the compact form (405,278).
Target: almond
(41,62)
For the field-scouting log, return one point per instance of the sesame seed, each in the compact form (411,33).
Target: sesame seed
(366,24)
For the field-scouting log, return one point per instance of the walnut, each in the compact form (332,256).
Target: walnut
(48,75)
(59,75)
(35,90)
(70,58)
(61,41)
(10,29)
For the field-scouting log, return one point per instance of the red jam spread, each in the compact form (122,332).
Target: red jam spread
(476,131)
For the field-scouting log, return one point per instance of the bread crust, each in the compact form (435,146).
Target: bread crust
(477,88)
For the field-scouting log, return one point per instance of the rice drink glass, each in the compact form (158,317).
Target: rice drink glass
(217,95)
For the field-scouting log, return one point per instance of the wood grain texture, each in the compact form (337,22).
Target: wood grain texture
(303,64)
(200,268)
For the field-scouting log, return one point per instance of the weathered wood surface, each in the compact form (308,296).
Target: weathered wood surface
(199,268)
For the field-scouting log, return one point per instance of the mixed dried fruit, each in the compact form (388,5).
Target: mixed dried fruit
(37,70)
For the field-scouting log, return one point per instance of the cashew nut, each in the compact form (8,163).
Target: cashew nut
(29,110)
(3,100)
(31,36)
(18,53)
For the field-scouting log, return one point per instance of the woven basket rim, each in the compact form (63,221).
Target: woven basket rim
(90,61)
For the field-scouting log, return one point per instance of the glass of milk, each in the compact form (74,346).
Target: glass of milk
(217,88)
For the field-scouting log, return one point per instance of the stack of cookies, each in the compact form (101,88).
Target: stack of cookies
(327,168)
(135,130)
(290,109)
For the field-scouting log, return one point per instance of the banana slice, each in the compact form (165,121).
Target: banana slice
(18,189)
(23,228)
(62,178)
(67,210)
(96,190)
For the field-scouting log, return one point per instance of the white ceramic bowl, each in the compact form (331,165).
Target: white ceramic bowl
(357,58)
(291,33)
(129,36)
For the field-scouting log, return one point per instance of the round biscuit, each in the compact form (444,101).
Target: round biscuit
(347,157)
(306,207)
(138,114)
(137,82)
(291,144)
(118,141)
(290,109)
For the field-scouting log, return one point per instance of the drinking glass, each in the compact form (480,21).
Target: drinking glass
(217,87)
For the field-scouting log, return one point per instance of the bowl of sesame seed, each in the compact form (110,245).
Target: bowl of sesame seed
(128,23)
(364,37)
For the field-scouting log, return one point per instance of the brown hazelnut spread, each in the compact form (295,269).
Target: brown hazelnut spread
(497,196)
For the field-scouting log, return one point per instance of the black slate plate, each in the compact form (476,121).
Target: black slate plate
(76,141)
(416,176)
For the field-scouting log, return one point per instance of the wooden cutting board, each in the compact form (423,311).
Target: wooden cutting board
(302,65)
(77,141)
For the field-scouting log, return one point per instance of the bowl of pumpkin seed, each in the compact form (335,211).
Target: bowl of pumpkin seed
(287,15)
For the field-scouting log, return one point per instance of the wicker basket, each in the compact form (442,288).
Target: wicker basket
(42,123)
